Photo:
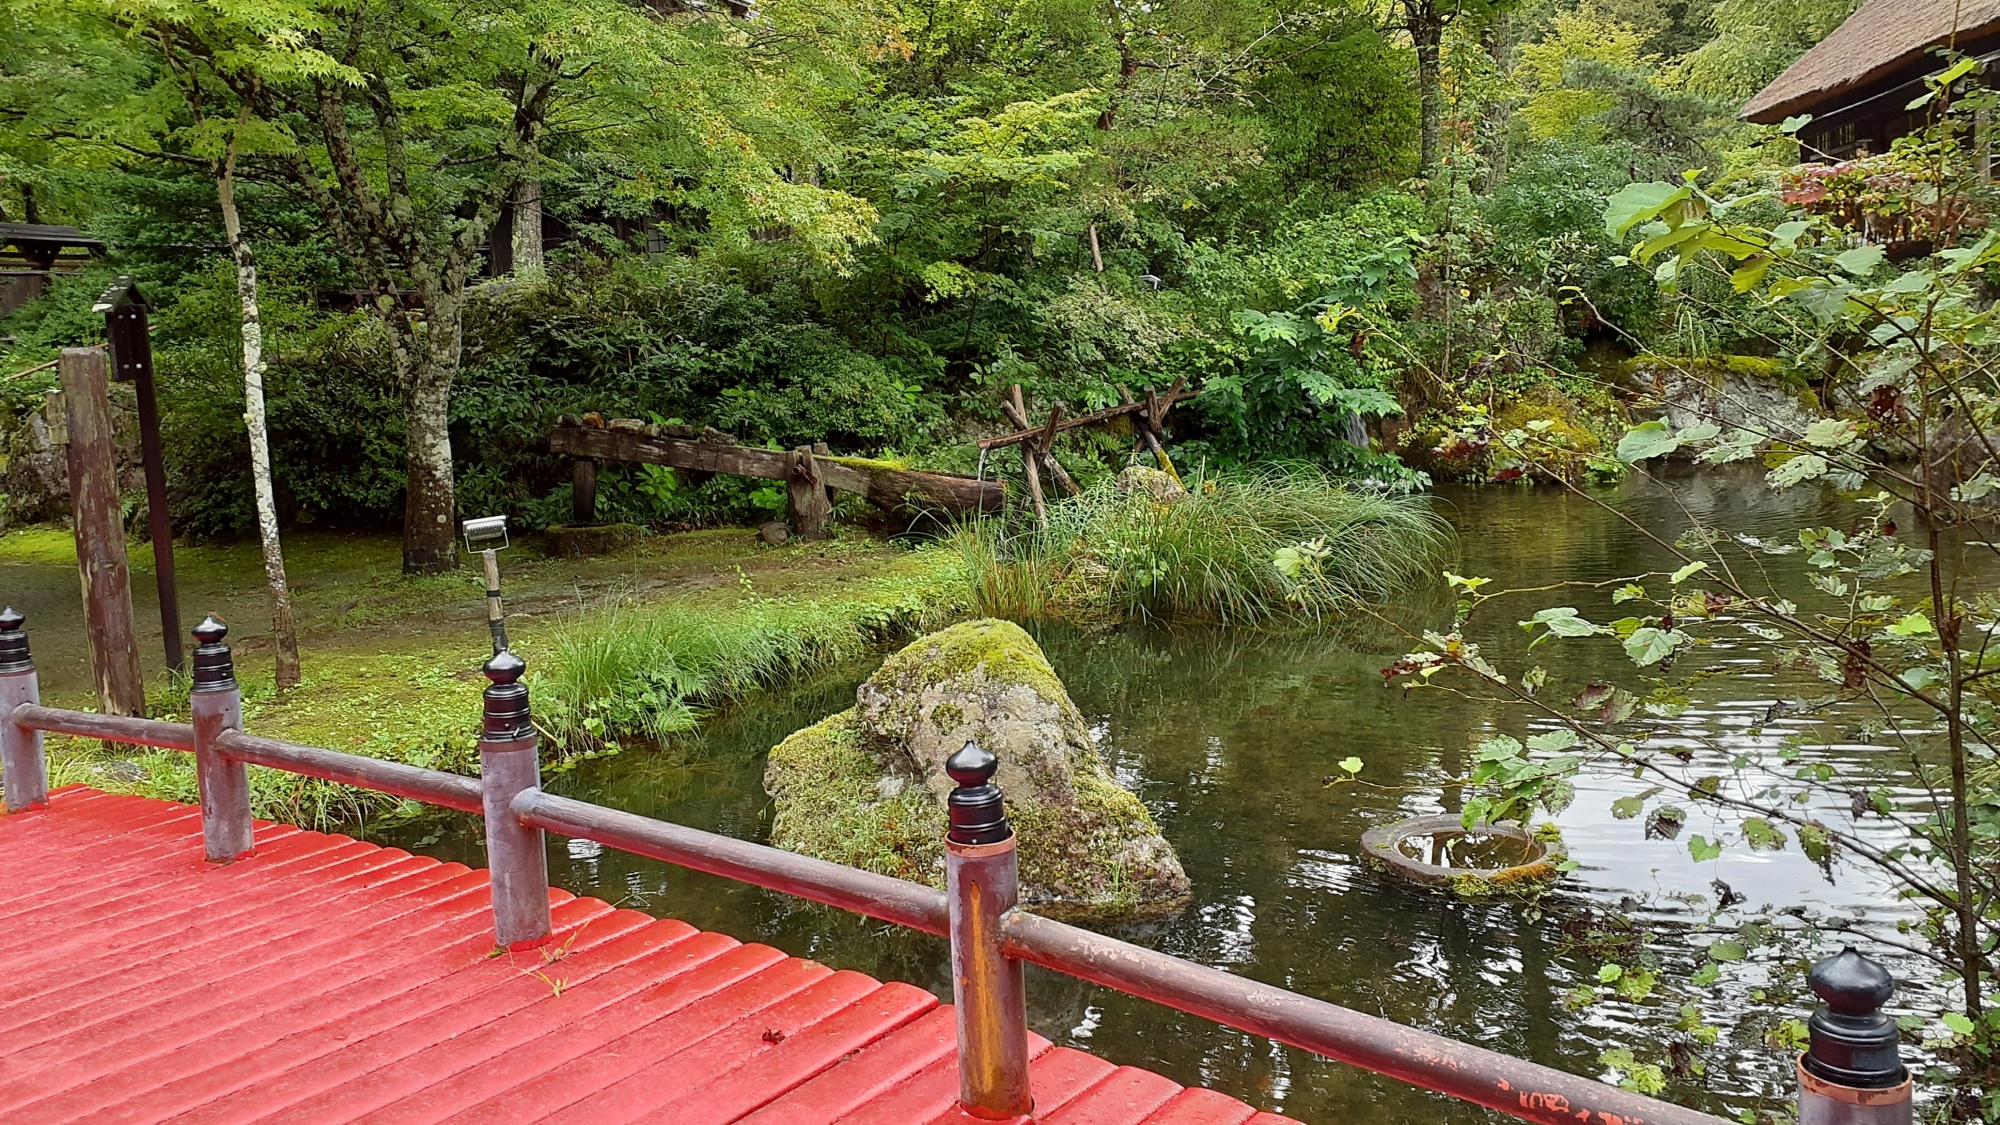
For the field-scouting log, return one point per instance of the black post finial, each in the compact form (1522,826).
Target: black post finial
(1854,1043)
(977,810)
(214,668)
(506,698)
(14,642)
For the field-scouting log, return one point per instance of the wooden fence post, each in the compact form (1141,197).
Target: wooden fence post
(516,861)
(805,497)
(583,491)
(23,769)
(981,885)
(217,706)
(100,532)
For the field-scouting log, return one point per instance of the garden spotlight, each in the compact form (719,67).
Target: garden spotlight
(488,536)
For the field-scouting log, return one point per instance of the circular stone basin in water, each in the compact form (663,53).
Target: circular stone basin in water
(1438,851)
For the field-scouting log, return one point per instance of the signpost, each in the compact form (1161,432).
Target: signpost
(124,309)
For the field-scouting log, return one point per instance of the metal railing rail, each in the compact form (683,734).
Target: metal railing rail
(990,936)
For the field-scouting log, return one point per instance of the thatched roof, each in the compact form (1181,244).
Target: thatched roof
(1876,41)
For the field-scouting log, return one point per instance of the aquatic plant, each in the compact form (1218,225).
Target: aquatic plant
(1282,544)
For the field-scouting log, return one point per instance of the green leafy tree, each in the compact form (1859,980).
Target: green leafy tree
(408,127)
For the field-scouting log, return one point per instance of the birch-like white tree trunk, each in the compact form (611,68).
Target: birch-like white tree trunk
(282,626)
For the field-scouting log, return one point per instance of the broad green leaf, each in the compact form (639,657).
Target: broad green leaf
(1796,470)
(1790,126)
(1609,974)
(1728,949)
(1861,261)
(1636,203)
(1959,1023)
(1762,835)
(1831,433)
(1555,741)
(1688,571)
(1647,440)
(1625,808)
(1630,591)
(1649,645)
(1351,765)
(1706,975)
(1913,625)
(1702,850)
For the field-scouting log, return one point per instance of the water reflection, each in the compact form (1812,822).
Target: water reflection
(1227,738)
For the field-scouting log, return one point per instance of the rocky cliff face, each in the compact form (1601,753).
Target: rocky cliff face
(867,787)
(36,478)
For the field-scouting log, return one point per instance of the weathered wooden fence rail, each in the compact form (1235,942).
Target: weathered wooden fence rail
(1851,1075)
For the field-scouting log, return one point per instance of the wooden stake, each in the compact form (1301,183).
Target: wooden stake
(583,491)
(100,532)
(807,508)
(1048,458)
(1147,437)
(1096,255)
(1028,459)
(821,449)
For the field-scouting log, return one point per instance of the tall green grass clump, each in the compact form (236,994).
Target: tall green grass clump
(1276,546)
(653,671)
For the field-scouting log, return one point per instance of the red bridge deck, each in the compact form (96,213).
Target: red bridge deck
(328,980)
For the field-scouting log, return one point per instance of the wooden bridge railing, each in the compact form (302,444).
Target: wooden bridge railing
(1851,1075)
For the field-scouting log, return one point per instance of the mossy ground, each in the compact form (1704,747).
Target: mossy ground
(391,663)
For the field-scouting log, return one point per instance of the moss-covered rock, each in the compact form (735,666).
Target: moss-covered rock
(1736,392)
(867,787)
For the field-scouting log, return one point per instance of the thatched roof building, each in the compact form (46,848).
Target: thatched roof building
(1856,82)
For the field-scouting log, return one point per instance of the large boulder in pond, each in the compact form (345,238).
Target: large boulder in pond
(867,786)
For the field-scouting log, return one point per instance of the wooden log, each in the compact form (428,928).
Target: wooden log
(100,533)
(1090,419)
(887,488)
(583,491)
(806,506)
(1029,455)
(1049,463)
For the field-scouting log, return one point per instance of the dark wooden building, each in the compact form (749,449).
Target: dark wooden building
(31,253)
(1858,80)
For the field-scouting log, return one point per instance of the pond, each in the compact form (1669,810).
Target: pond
(1228,738)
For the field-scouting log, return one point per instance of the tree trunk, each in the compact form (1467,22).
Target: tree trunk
(528,258)
(1500,114)
(283,629)
(429,355)
(1426,27)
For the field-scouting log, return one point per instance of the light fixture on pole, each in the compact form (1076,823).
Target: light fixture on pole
(487,536)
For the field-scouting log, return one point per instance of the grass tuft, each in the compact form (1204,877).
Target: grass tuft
(1281,545)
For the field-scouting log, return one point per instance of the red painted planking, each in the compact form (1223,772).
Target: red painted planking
(1202,1107)
(326,980)
(1127,1096)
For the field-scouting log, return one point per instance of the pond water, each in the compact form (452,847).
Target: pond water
(1228,736)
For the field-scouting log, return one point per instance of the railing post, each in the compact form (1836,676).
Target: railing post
(217,706)
(23,769)
(981,884)
(1852,1074)
(517,865)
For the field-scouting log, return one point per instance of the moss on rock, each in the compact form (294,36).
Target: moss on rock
(867,786)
